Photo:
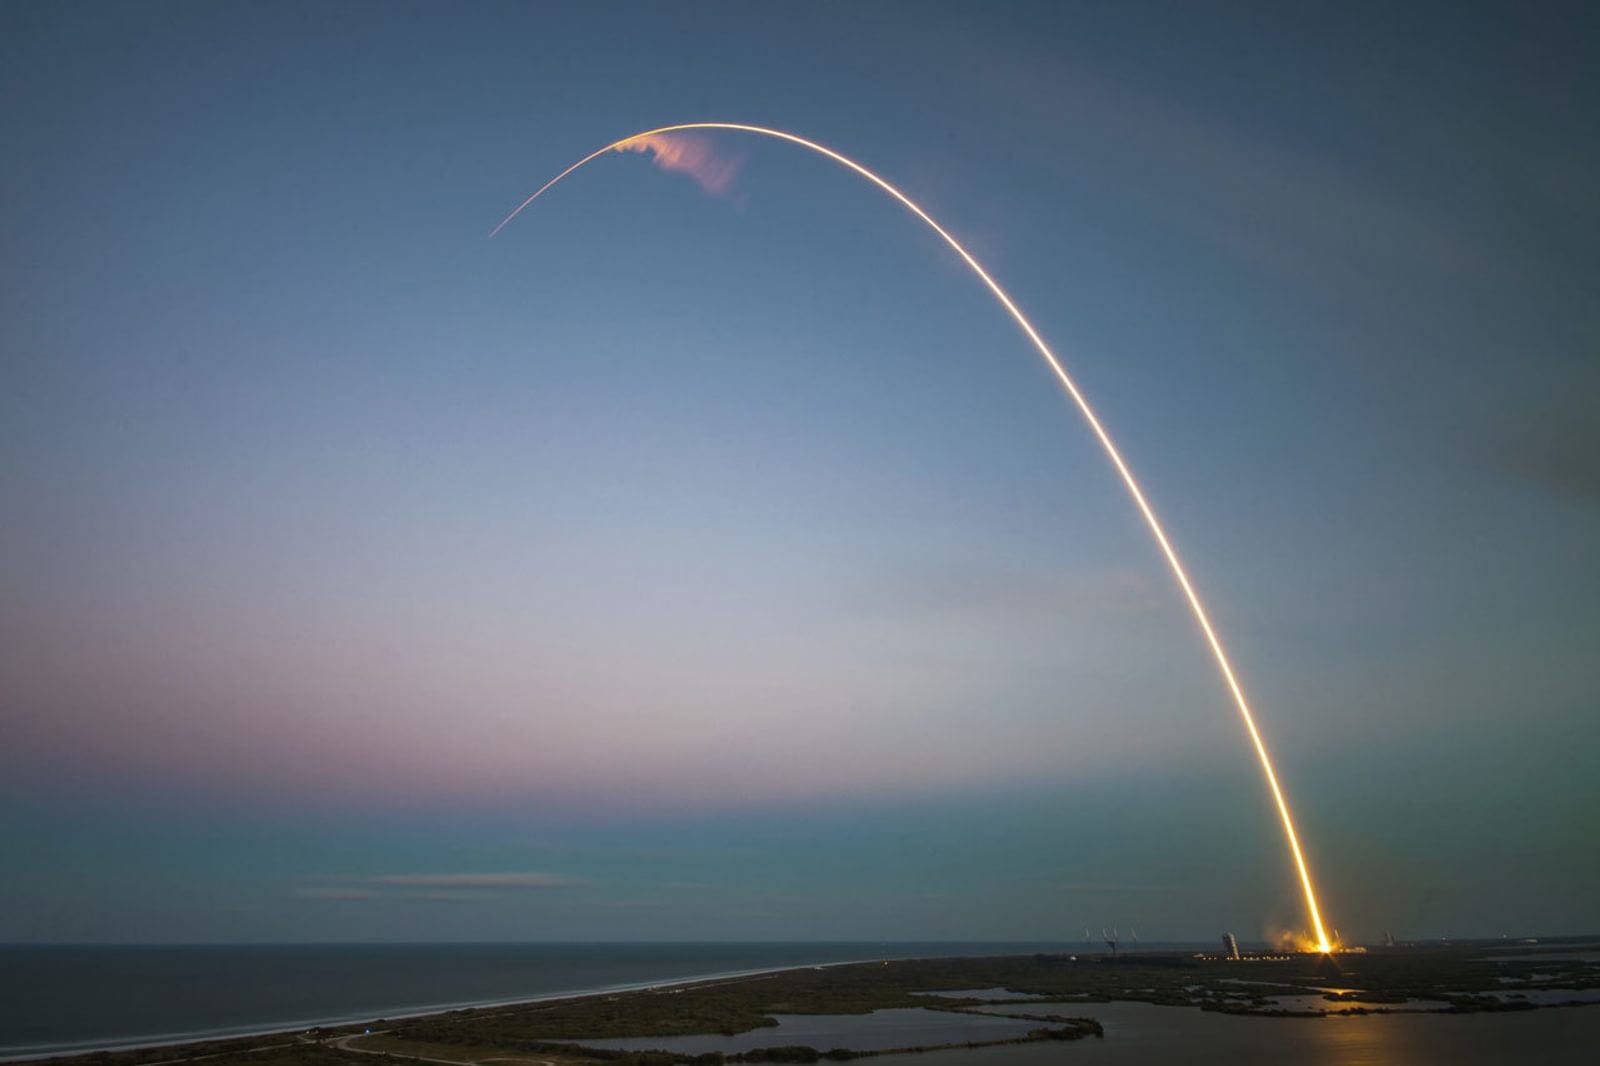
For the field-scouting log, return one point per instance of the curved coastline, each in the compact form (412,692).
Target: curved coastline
(42,1052)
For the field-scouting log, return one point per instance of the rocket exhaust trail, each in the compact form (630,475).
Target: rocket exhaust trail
(1132,485)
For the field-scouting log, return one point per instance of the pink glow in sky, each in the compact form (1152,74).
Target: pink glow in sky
(691,154)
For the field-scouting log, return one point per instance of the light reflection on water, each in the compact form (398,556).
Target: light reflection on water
(1141,1033)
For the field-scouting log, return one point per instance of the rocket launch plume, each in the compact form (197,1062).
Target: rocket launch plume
(690,154)
(650,139)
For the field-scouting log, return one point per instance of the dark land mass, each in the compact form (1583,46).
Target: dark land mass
(1451,979)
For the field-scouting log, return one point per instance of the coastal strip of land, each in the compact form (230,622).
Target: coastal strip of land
(1047,997)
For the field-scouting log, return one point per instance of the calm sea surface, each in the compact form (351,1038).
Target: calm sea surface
(66,998)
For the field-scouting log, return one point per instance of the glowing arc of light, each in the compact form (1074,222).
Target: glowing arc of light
(1128,480)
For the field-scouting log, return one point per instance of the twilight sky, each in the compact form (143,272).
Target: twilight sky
(708,557)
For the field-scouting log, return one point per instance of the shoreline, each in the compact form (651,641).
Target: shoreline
(52,1052)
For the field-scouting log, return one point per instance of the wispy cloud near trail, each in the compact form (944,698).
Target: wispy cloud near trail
(690,154)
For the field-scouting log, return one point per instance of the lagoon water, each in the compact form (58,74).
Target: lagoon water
(882,1030)
(57,998)
(1140,1033)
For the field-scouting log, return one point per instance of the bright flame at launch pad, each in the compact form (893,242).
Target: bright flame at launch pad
(1224,667)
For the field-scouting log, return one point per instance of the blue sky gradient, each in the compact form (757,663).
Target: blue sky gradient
(727,560)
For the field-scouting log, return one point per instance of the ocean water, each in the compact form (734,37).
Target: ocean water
(62,998)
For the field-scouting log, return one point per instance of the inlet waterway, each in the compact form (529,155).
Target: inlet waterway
(1141,1033)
